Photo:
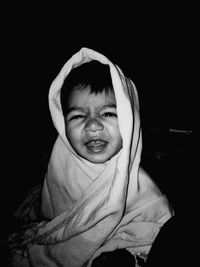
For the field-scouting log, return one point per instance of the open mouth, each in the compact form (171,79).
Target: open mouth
(96,145)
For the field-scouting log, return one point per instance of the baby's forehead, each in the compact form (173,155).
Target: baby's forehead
(86,98)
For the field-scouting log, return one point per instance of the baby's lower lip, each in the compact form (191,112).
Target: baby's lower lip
(96,146)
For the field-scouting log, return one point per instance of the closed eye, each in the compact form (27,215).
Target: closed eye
(75,117)
(109,114)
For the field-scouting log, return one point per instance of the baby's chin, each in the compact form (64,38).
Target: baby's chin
(99,158)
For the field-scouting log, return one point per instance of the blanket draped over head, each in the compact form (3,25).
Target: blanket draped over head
(89,208)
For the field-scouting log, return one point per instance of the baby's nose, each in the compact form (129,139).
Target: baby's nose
(94,125)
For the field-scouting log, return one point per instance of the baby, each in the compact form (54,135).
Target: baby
(96,200)
(90,113)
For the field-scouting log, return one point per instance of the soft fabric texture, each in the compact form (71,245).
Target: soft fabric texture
(92,208)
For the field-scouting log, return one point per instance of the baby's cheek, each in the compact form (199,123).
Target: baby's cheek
(71,135)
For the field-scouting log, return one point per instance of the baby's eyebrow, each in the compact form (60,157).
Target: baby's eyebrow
(75,108)
(111,105)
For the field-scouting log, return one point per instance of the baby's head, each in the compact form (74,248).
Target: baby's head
(89,108)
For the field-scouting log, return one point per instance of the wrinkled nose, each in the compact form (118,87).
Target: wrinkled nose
(94,125)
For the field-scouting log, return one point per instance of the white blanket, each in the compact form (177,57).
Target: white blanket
(92,208)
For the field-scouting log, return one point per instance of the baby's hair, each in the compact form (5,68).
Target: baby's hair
(92,73)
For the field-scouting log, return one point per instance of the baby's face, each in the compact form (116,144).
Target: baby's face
(92,125)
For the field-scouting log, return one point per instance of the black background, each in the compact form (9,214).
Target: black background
(157,50)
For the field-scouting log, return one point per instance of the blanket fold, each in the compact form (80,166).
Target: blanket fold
(92,208)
